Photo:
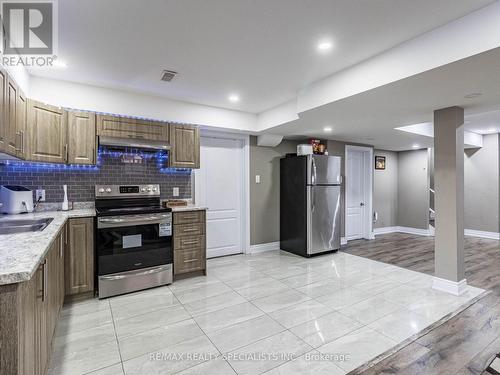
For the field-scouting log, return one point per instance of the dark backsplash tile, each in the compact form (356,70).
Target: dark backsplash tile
(82,179)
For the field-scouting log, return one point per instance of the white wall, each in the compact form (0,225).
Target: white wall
(99,99)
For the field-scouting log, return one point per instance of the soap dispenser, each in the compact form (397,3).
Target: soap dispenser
(65,204)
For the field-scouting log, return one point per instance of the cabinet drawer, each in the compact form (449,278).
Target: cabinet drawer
(189,242)
(189,217)
(182,230)
(189,260)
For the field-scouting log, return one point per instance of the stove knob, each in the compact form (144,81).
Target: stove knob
(101,190)
(149,189)
(155,189)
(108,190)
(143,190)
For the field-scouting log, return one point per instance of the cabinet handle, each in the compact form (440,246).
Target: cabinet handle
(189,242)
(66,153)
(44,282)
(190,261)
(190,230)
(22,142)
(18,138)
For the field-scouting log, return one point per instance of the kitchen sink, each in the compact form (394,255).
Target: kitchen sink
(21,226)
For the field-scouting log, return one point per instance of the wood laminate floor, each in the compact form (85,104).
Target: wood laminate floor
(466,343)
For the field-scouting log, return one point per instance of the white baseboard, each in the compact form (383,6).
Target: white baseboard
(343,241)
(482,234)
(456,288)
(430,232)
(385,230)
(416,231)
(260,248)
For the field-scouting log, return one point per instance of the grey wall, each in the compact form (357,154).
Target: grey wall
(385,190)
(413,189)
(265,197)
(481,189)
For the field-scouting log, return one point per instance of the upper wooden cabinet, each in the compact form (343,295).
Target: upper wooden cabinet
(185,152)
(21,124)
(123,127)
(3,107)
(11,139)
(47,133)
(81,138)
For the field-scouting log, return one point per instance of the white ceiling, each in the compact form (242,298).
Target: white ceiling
(371,117)
(264,50)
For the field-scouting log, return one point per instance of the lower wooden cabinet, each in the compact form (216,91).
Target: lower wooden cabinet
(80,256)
(29,310)
(189,242)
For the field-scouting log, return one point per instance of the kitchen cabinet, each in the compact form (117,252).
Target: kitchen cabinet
(3,107)
(185,152)
(79,268)
(81,138)
(11,139)
(123,127)
(47,133)
(29,313)
(189,242)
(21,123)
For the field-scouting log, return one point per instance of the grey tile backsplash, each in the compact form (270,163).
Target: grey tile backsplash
(81,180)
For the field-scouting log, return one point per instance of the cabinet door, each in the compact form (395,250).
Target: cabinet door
(11,138)
(185,151)
(81,138)
(26,311)
(41,334)
(3,108)
(21,120)
(123,127)
(47,129)
(79,258)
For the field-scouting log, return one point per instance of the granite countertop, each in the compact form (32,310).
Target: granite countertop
(21,253)
(189,207)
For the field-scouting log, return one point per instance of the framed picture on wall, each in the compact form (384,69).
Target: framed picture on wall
(379,162)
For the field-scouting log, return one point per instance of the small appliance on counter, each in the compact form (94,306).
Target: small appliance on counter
(16,199)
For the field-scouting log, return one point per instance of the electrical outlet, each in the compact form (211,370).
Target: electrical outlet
(257,179)
(40,195)
(175,191)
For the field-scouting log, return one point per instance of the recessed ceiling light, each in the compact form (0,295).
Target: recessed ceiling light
(233,98)
(327,129)
(492,130)
(415,146)
(59,64)
(473,95)
(324,45)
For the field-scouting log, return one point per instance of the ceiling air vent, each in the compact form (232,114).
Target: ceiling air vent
(168,75)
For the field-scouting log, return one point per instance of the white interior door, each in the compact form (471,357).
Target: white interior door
(355,195)
(218,186)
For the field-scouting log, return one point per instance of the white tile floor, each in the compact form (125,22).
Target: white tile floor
(272,313)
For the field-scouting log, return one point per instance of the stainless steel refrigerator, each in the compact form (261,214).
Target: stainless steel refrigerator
(310,204)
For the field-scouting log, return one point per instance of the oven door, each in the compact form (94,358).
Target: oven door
(132,242)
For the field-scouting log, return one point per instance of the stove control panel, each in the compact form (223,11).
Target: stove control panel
(127,191)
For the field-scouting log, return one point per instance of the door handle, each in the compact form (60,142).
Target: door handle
(361,204)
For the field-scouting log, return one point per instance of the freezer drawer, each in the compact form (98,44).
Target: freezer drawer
(323,219)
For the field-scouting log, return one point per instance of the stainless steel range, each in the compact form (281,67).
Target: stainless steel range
(134,239)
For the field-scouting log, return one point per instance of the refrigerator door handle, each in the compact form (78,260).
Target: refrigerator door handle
(313,176)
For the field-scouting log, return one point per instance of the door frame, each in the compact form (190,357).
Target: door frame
(368,174)
(244,183)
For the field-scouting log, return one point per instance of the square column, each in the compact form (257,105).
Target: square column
(449,200)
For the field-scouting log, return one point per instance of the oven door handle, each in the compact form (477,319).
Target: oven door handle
(108,223)
(135,273)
